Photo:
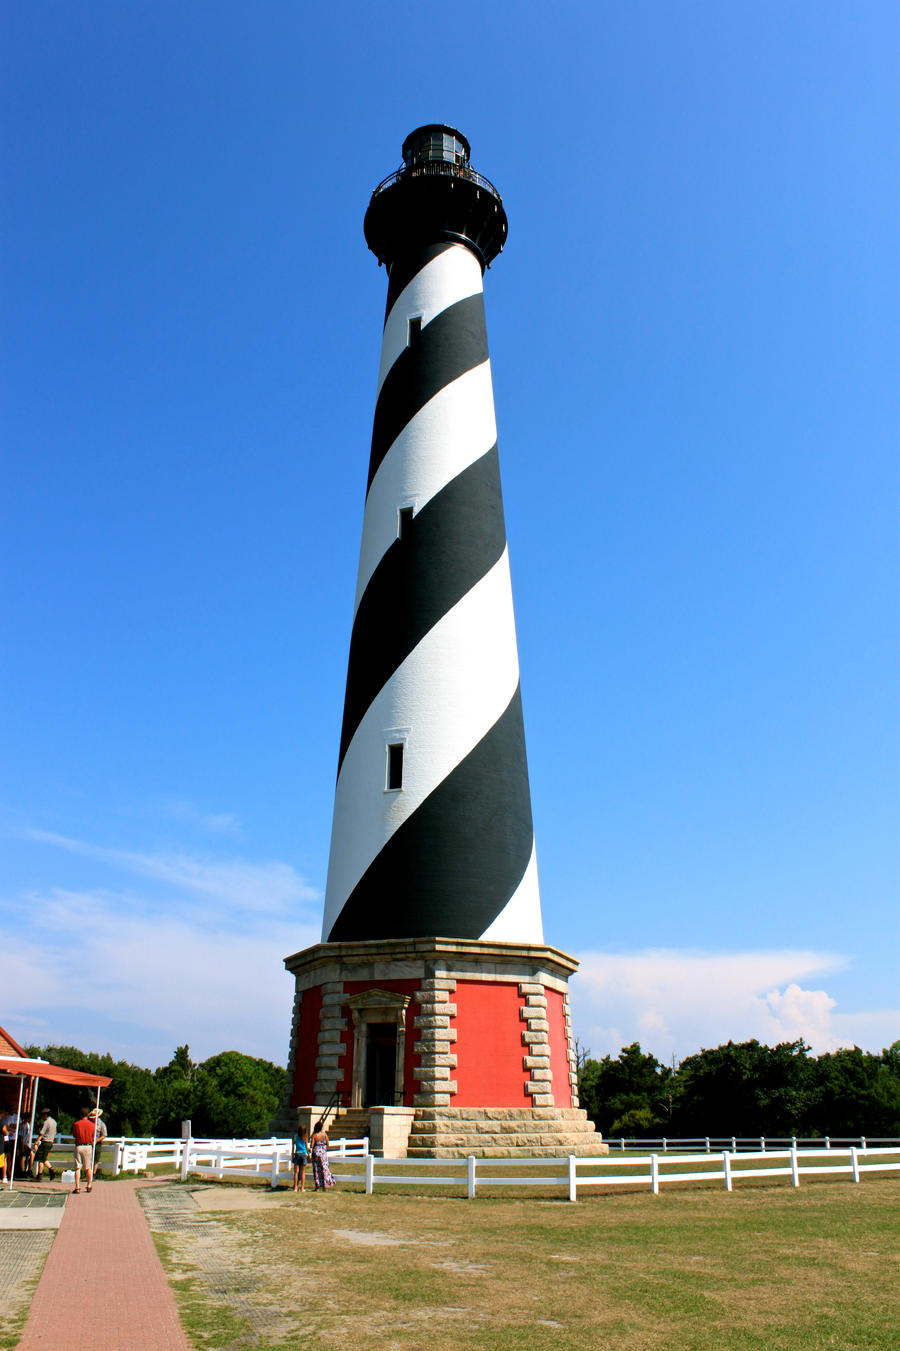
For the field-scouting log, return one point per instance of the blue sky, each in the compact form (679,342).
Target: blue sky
(693,334)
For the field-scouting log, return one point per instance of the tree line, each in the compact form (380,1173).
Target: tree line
(228,1095)
(744,1089)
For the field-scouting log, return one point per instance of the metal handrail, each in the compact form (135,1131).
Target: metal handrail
(438,167)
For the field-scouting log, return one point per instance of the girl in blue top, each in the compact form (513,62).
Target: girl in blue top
(301,1157)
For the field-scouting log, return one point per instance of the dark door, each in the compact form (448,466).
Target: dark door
(381,1064)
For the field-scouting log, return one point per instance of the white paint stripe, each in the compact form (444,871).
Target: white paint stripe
(520,919)
(451,276)
(451,431)
(449,692)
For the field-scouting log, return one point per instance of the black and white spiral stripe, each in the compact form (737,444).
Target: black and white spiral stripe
(433,663)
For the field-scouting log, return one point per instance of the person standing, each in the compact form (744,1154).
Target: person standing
(44,1143)
(83,1133)
(97,1118)
(321,1172)
(301,1157)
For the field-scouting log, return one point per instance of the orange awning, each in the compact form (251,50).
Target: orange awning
(42,1069)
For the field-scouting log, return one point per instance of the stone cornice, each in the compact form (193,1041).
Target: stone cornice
(442,951)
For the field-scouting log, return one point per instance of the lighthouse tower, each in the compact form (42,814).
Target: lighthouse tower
(432,1005)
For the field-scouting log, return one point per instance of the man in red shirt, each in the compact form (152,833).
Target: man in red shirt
(83,1132)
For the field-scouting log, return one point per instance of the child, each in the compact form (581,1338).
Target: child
(301,1157)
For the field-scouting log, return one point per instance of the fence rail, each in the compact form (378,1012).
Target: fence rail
(700,1162)
(600,1172)
(714,1144)
(219,1158)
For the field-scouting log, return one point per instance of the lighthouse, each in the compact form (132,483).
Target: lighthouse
(432,1010)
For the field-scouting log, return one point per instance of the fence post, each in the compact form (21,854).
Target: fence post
(622,1145)
(654,1174)
(365,1146)
(665,1144)
(185,1159)
(726,1165)
(734,1144)
(827,1141)
(470,1177)
(854,1163)
(793,1142)
(117,1158)
(862,1140)
(370,1174)
(762,1143)
(573,1179)
(795,1170)
(276,1161)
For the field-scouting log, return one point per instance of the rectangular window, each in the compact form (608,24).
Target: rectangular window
(404,521)
(395,766)
(414,330)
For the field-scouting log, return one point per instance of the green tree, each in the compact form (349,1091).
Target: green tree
(631,1095)
(130,1104)
(858,1093)
(236,1095)
(746,1089)
(176,1084)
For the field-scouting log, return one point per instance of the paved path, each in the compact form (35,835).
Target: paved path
(103,1285)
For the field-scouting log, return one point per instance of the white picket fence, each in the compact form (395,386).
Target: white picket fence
(221,1158)
(656,1169)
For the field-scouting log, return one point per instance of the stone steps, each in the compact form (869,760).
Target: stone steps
(352,1124)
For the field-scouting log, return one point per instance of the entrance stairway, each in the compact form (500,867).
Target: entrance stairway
(349,1124)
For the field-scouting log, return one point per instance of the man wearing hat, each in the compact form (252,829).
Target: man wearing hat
(97,1117)
(44,1143)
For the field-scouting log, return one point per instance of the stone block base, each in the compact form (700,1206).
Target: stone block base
(503,1132)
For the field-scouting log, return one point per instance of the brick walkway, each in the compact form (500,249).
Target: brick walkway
(103,1285)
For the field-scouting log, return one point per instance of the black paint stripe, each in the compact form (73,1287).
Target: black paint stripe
(449,870)
(446,548)
(454,342)
(403,271)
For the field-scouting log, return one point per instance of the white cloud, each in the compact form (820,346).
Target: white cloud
(216,823)
(109,971)
(196,957)
(265,887)
(675,1002)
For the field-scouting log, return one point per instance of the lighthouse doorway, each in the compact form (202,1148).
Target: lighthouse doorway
(379,1047)
(381,1064)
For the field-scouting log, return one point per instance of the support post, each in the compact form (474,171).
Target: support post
(654,1174)
(854,1163)
(573,1179)
(370,1174)
(470,1177)
(276,1161)
(795,1169)
(726,1165)
(185,1158)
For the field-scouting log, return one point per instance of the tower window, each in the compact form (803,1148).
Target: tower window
(414,330)
(404,522)
(395,766)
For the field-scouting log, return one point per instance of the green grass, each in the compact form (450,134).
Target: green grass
(768,1268)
